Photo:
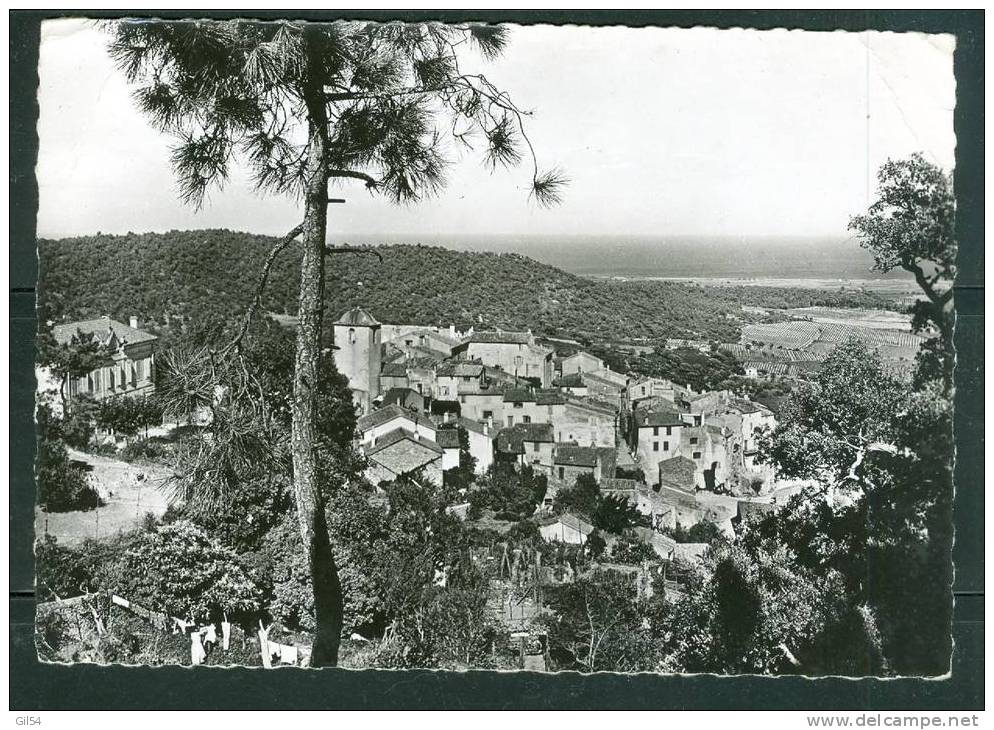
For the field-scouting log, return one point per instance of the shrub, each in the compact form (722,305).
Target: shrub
(146,450)
(62,485)
(703,531)
(178,569)
(631,551)
(60,572)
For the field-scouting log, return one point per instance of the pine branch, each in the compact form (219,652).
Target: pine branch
(236,343)
(370,181)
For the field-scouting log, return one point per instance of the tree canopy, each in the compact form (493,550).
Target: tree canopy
(911,226)
(242,88)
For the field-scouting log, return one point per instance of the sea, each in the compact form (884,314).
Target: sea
(820,262)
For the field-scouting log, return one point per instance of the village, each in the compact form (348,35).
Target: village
(434,352)
(679,456)
(680,465)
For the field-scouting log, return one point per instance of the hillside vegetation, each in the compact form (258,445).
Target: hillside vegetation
(183,280)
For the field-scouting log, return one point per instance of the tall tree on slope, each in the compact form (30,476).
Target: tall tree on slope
(911,226)
(304,104)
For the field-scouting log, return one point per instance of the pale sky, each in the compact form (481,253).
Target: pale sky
(661,131)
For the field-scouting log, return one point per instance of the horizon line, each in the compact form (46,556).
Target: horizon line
(456,234)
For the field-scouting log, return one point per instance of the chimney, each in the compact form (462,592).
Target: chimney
(133,321)
(445,417)
(486,427)
(452,331)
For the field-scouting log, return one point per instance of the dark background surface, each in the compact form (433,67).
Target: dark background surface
(37,686)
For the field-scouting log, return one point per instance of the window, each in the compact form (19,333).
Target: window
(693,440)
(562,472)
(110,379)
(697,420)
(352,336)
(669,430)
(519,405)
(666,445)
(462,399)
(535,446)
(486,414)
(697,454)
(655,446)
(510,420)
(655,430)
(89,383)
(526,419)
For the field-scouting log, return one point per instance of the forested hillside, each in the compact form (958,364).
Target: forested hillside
(182,279)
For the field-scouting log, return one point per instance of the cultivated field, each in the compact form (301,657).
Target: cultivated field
(816,331)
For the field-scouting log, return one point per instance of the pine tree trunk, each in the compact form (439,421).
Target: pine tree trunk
(307,493)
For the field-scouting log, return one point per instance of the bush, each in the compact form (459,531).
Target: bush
(703,531)
(178,569)
(145,450)
(62,485)
(60,572)
(631,551)
(596,544)
(512,495)
(449,628)
(525,531)
(77,424)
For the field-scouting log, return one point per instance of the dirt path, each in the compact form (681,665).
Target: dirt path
(129,490)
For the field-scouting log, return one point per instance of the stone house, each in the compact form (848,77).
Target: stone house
(669,549)
(129,368)
(521,405)
(570,461)
(657,436)
(448,440)
(675,502)
(568,528)
(454,376)
(573,384)
(740,423)
(484,404)
(481,446)
(382,421)
(434,340)
(421,374)
(400,453)
(628,489)
(605,389)
(513,352)
(393,375)
(581,362)
(587,422)
(406,398)
(646,387)
(527,443)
